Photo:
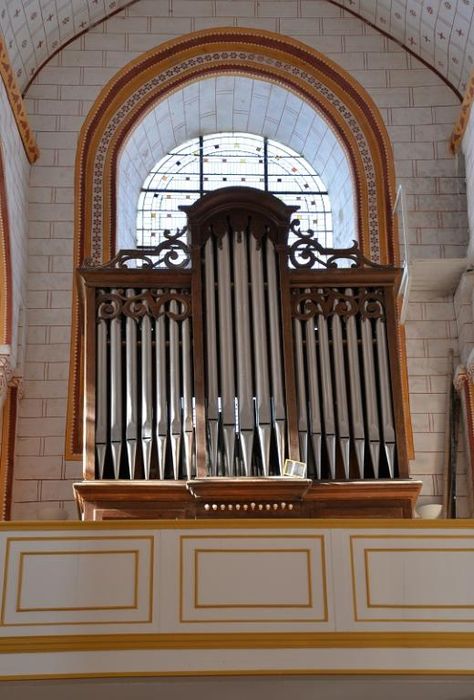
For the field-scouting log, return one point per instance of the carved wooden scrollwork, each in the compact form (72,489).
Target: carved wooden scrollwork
(173,253)
(368,303)
(150,302)
(307,253)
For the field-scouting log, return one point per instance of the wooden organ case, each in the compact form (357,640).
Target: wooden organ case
(235,344)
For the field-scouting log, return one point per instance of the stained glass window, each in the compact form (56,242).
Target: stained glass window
(207,163)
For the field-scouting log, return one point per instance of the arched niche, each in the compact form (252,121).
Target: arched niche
(258,55)
(235,104)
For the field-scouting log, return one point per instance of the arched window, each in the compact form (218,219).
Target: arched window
(207,163)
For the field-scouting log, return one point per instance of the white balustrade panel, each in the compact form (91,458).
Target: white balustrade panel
(207,598)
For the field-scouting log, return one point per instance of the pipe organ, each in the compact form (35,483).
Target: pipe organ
(232,346)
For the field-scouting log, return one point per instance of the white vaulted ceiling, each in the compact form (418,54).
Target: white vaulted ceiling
(438,31)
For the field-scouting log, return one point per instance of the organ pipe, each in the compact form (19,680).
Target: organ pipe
(370,394)
(301,391)
(278,399)
(388,428)
(211,356)
(116,392)
(147,398)
(260,353)
(131,390)
(175,390)
(226,354)
(102,384)
(327,395)
(341,393)
(357,412)
(187,397)
(161,394)
(243,352)
(313,392)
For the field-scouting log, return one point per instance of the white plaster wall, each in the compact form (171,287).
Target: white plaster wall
(419,111)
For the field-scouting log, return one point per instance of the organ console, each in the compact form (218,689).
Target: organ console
(234,344)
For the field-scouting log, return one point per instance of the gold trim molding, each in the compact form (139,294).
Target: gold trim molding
(315,541)
(246,672)
(239,640)
(463,117)
(379,524)
(8,421)
(18,106)
(6,282)
(6,374)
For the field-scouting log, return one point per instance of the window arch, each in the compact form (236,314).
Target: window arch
(207,163)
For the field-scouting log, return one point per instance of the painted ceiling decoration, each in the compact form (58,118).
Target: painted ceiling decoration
(16,102)
(34,30)
(438,31)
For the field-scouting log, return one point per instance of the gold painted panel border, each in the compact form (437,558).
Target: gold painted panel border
(412,606)
(198,605)
(135,553)
(146,539)
(322,552)
(366,594)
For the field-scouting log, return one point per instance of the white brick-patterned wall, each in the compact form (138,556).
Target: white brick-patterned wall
(432,332)
(463,306)
(468,152)
(17,171)
(419,111)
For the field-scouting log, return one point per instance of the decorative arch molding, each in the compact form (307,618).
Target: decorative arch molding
(263,55)
(5,262)
(17,105)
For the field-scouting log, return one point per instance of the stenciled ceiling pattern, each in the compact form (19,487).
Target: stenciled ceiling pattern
(438,31)
(35,29)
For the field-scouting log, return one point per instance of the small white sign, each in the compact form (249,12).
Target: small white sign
(294,468)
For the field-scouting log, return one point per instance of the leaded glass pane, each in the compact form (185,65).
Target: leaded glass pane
(224,160)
